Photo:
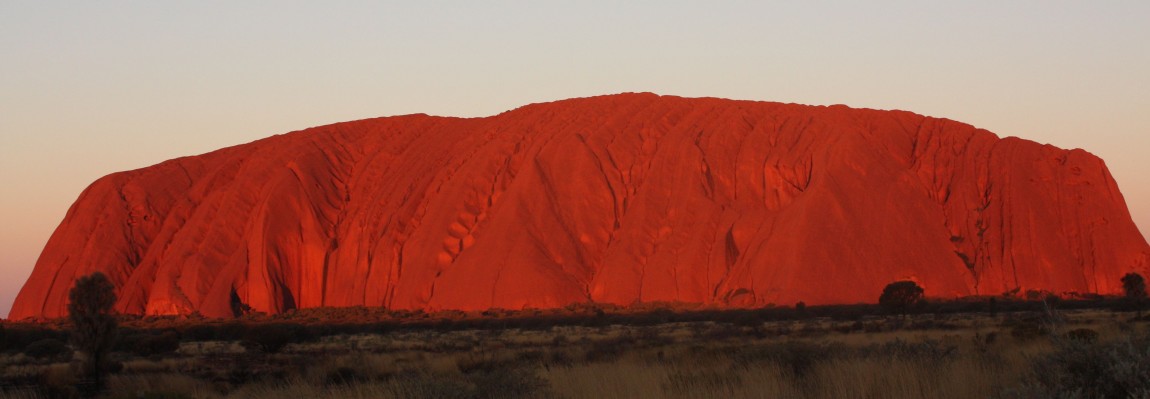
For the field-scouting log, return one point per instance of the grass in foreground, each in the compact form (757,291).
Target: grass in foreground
(1077,353)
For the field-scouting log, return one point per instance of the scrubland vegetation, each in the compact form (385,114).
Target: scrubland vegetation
(958,350)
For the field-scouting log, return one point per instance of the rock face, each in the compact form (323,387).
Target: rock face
(615,199)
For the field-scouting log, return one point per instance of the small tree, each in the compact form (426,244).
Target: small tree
(900,296)
(94,327)
(1134,286)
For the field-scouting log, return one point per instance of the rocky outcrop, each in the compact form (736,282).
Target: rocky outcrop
(616,199)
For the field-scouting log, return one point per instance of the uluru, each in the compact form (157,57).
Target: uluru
(618,199)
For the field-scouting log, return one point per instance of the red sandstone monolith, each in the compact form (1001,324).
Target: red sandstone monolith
(615,199)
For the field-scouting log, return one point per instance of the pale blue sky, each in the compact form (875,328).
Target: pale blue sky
(91,88)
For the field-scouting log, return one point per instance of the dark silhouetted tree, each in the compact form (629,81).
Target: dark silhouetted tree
(1134,286)
(900,296)
(94,327)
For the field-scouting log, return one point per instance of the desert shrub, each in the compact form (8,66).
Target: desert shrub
(236,376)
(1089,370)
(1082,334)
(496,377)
(873,327)
(718,332)
(15,339)
(931,325)
(900,296)
(798,356)
(164,343)
(746,319)
(483,377)
(850,328)
(126,341)
(608,350)
(48,348)
(233,331)
(1133,285)
(991,338)
(1029,330)
(845,312)
(689,383)
(431,386)
(149,344)
(481,361)
(343,375)
(559,340)
(1134,290)
(160,385)
(458,345)
(271,338)
(559,358)
(267,339)
(57,382)
(533,356)
(198,332)
(509,382)
(653,336)
(906,350)
(162,395)
(810,330)
(651,318)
